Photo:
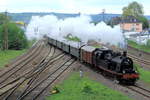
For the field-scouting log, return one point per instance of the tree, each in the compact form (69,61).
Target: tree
(16,37)
(133,9)
(144,21)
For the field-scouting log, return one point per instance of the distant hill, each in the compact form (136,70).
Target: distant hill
(27,16)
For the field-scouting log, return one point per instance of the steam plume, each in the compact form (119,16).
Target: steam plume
(80,26)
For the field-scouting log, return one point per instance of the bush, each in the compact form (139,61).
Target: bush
(87,89)
(16,37)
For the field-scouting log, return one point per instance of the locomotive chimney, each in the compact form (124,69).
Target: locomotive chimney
(124,53)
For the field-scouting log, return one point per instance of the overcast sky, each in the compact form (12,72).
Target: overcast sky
(70,6)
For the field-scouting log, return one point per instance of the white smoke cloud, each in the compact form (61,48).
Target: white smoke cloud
(77,26)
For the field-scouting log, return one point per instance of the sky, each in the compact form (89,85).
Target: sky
(70,6)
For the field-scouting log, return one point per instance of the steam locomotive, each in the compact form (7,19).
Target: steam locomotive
(108,62)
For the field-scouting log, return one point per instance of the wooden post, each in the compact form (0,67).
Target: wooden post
(5,33)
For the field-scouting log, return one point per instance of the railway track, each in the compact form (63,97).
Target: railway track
(28,71)
(140,90)
(47,81)
(9,73)
(54,76)
(146,62)
(32,80)
(25,54)
(22,58)
(20,80)
(22,74)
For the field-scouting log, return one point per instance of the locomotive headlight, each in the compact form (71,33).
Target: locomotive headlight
(124,72)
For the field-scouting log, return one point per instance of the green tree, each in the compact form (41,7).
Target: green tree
(16,37)
(144,21)
(133,9)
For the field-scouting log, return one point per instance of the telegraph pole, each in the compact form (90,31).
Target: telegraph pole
(5,33)
(103,13)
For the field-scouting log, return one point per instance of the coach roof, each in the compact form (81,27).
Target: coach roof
(88,48)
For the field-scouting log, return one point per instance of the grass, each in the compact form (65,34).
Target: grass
(144,74)
(31,42)
(137,46)
(97,46)
(76,88)
(6,56)
(72,38)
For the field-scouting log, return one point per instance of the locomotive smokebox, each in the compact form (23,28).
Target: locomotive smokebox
(124,53)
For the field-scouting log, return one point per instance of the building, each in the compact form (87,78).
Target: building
(21,24)
(131,24)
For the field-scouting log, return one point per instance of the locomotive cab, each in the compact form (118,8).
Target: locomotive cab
(102,57)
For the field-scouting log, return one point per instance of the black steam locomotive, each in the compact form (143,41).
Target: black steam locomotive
(115,64)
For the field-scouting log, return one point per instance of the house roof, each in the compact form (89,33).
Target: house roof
(130,19)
